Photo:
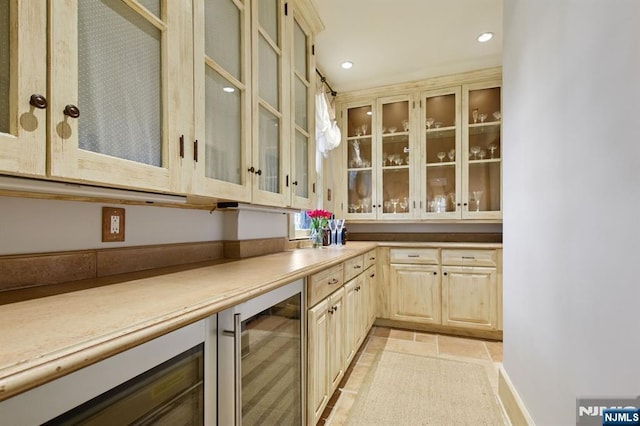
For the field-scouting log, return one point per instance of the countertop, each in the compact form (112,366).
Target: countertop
(48,337)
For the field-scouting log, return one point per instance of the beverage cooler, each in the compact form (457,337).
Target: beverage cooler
(260,360)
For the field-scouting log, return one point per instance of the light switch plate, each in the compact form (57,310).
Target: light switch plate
(112,224)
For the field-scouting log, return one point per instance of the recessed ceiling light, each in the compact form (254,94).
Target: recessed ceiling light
(346,65)
(228,89)
(484,37)
(369,113)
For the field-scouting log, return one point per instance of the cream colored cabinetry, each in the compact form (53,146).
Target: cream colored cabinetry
(452,288)
(318,360)
(430,152)
(470,289)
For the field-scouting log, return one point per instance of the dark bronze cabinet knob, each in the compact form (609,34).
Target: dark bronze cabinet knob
(251,169)
(258,172)
(38,101)
(295,182)
(71,111)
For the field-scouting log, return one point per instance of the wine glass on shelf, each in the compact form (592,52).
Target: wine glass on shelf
(482,154)
(437,124)
(387,206)
(395,201)
(405,125)
(474,114)
(475,150)
(477,195)
(441,156)
(430,122)
(339,226)
(392,129)
(492,148)
(333,226)
(497,115)
(404,204)
(482,117)
(452,155)
(365,128)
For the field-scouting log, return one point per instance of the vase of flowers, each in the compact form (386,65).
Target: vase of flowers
(319,219)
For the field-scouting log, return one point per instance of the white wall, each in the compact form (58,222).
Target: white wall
(571,105)
(34,226)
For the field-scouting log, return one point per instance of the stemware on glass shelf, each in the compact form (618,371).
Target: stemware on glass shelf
(482,154)
(404,204)
(452,155)
(365,128)
(387,206)
(441,156)
(430,122)
(492,148)
(482,117)
(395,201)
(474,151)
(477,195)
(392,129)
(437,124)
(497,115)
(474,114)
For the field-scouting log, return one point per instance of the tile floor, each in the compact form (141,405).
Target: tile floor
(485,352)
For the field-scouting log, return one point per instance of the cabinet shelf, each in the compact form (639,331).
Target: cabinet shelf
(443,164)
(489,160)
(359,169)
(404,167)
(356,138)
(386,135)
(479,128)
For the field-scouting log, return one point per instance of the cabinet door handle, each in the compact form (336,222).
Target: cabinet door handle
(251,169)
(258,172)
(295,182)
(181,146)
(357,266)
(413,255)
(195,150)
(331,310)
(469,257)
(444,273)
(435,273)
(287,181)
(372,275)
(71,111)
(38,101)
(333,281)
(335,308)
(465,204)
(372,258)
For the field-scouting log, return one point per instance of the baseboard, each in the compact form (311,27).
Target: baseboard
(513,405)
(441,329)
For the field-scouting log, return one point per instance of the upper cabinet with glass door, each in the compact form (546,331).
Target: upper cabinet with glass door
(302,172)
(222,88)
(395,197)
(23,87)
(440,159)
(360,159)
(482,188)
(113,65)
(267,165)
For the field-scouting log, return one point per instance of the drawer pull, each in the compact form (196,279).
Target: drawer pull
(469,257)
(335,308)
(331,310)
(372,275)
(444,273)
(333,281)
(357,266)
(372,258)
(413,255)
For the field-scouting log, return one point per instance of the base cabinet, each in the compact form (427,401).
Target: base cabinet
(469,297)
(415,293)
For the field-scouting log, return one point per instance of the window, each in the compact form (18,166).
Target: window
(299,225)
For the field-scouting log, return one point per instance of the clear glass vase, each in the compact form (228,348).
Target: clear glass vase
(316,237)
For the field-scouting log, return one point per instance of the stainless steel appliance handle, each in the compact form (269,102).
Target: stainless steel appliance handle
(237,359)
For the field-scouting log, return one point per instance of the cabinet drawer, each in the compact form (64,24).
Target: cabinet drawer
(470,257)
(369,259)
(417,255)
(353,267)
(324,283)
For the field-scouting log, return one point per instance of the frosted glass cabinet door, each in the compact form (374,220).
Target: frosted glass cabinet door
(268,155)
(222,90)
(302,150)
(109,107)
(23,86)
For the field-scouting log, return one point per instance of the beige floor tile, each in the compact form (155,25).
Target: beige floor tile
(340,412)
(495,350)
(462,347)
(354,382)
(426,337)
(414,348)
(381,331)
(401,334)
(366,358)
(375,345)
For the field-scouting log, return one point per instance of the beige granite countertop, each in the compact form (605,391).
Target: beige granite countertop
(48,337)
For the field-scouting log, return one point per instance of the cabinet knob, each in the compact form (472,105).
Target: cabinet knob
(258,172)
(372,275)
(444,273)
(335,308)
(435,273)
(38,101)
(458,204)
(295,182)
(251,169)
(71,111)
(465,204)
(357,266)
(331,310)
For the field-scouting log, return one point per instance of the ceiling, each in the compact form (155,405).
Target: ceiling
(392,41)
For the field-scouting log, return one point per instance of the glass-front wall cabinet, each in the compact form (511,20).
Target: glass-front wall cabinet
(482,189)
(440,165)
(394,160)
(360,159)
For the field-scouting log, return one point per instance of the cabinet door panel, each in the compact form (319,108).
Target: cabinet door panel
(336,339)
(469,297)
(318,370)
(23,73)
(415,293)
(351,323)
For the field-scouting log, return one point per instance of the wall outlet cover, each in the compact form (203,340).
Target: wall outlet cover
(112,224)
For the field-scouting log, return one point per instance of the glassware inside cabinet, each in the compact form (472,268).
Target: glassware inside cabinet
(359,191)
(441,157)
(484,103)
(484,187)
(395,157)
(359,137)
(395,190)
